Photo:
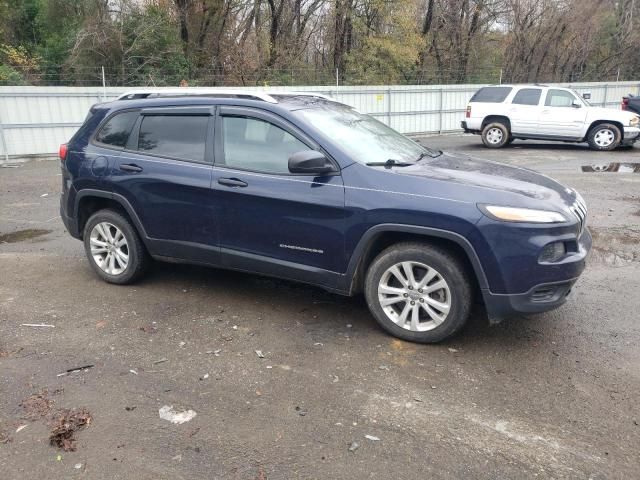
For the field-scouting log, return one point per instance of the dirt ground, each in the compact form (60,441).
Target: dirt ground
(550,396)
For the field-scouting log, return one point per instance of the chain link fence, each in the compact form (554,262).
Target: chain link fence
(126,76)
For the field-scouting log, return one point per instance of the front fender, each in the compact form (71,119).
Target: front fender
(370,236)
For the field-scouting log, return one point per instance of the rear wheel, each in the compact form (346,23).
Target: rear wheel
(604,137)
(418,292)
(495,135)
(114,248)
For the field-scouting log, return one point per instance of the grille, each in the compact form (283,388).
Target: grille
(579,209)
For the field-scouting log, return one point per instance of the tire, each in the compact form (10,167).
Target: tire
(495,135)
(102,233)
(382,284)
(604,137)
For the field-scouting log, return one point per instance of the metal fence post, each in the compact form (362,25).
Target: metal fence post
(606,89)
(104,86)
(389,106)
(5,147)
(440,105)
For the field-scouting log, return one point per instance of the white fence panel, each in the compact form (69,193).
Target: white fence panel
(36,120)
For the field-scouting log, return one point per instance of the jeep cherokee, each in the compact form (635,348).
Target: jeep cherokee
(303,188)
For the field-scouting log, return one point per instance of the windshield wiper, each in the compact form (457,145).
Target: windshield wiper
(390,163)
(430,154)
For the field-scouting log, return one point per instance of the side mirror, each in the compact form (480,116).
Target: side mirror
(310,162)
(576,104)
(586,95)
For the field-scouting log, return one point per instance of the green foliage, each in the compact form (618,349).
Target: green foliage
(287,42)
(17,65)
(389,46)
(138,46)
(9,76)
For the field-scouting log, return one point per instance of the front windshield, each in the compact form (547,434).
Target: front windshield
(362,137)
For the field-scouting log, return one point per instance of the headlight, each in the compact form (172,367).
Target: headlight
(634,122)
(513,214)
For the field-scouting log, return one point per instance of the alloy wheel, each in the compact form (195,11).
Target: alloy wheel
(414,296)
(109,248)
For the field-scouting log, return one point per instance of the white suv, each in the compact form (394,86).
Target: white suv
(506,112)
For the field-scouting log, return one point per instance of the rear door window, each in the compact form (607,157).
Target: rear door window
(491,94)
(527,96)
(117,129)
(559,98)
(176,136)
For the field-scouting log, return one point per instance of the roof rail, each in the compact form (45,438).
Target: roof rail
(212,92)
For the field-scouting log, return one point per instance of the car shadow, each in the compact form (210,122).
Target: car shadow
(315,308)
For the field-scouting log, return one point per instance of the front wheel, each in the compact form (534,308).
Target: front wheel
(418,292)
(604,137)
(114,248)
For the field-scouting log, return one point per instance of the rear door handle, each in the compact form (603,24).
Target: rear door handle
(130,167)
(232,182)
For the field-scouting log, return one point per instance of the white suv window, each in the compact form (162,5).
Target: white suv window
(491,95)
(527,96)
(559,98)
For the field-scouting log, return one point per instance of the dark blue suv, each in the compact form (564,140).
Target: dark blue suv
(300,187)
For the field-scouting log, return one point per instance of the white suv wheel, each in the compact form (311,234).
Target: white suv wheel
(495,135)
(605,136)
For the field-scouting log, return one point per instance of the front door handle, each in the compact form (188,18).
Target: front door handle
(130,167)
(232,182)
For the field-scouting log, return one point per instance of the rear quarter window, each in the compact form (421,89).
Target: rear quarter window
(117,129)
(491,95)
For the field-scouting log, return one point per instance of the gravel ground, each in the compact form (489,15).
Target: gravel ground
(548,396)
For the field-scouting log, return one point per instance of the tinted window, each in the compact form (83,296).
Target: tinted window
(116,131)
(491,94)
(527,96)
(176,136)
(254,144)
(559,98)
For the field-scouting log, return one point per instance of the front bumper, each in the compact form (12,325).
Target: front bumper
(543,296)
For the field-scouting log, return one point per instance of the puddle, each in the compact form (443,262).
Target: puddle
(22,235)
(612,167)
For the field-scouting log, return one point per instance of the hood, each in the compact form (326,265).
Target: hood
(466,170)
(598,113)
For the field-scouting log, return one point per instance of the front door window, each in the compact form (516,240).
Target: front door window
(257,145)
